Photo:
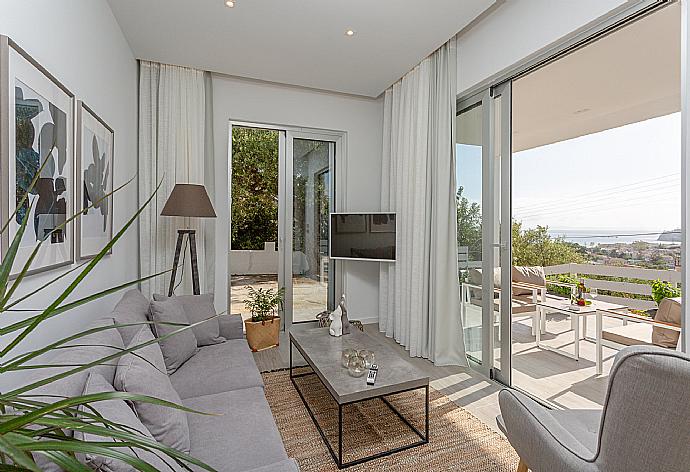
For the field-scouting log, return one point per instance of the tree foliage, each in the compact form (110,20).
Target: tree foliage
(469,225)
(535,247)
(254,187)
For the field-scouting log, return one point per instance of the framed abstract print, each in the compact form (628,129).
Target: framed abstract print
(95,141)
(37,160)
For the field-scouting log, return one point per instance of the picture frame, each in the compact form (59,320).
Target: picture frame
(36,134)
(95,144)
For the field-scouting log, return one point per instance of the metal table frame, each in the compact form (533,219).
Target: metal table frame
(338,458)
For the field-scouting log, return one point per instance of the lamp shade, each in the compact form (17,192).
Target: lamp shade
(189,200)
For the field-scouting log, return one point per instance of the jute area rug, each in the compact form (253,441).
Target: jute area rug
(458,441)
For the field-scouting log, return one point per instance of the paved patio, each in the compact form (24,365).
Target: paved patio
(562,381)
(309,296)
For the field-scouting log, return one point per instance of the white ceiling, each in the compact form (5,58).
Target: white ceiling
(628,76)
(298,42)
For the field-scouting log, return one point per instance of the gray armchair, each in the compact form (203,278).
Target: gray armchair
(644,426)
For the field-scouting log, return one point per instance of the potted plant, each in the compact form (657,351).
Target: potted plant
(263,329)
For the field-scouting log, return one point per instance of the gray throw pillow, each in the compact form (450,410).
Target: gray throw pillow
(118,412)
(180,346)
(143,372)
(199,308)
(133,310)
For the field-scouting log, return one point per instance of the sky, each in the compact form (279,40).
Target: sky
(621,179)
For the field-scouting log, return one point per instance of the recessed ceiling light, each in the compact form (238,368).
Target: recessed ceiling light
(230,3)
(349,32)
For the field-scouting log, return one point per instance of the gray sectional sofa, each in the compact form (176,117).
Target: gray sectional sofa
(220,378)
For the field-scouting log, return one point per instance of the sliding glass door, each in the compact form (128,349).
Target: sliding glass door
(483,212)
(311,158)
(282,189)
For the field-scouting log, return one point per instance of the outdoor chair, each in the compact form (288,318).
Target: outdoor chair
(644,425)
(528,287)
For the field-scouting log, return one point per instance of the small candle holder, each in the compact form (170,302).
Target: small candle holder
(356,367)
(368,356)
(346,355)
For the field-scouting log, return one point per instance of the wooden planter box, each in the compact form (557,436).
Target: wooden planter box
(262,334)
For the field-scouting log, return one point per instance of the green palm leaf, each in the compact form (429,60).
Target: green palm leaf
(29,426)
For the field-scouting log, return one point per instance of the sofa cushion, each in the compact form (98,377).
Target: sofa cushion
(231,326)
(143,372)
(217,368)
(289,465)
(199,308)
(82,351)
(119,412)
(92,347)
(669,312)
(182,344)
(132,308)
(243,435)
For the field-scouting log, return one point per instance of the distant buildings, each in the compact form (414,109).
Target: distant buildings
(639,254)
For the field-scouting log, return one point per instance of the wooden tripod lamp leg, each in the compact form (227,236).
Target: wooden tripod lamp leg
(522,467)
(178,250)
(195,267)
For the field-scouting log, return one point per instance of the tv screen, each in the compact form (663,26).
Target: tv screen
(365,236)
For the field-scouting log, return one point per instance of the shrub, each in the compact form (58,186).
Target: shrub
(662,289)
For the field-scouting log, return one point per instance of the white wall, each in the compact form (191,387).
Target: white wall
(362,120)
(80,43)
(519,28)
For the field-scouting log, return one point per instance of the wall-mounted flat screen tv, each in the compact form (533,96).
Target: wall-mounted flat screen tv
(363,236)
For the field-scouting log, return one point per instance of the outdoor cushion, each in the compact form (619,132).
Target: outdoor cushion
(199,308)
(527,275)
(475,278)
(243,435)
(632,334)
(182,344)
(132,308)
(231,326)
(144,374)
(119,412)
(670,312)
(217,368)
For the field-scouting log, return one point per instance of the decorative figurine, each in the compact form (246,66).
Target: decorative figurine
(336,328)
(345,322)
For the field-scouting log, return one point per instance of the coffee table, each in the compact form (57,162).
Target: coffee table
(396,375)
(564,306)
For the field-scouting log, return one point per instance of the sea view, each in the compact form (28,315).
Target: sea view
(592,237)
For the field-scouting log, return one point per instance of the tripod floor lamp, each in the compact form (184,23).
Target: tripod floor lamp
(188,201)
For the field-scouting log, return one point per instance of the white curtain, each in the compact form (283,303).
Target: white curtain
(419,301)
(173,138)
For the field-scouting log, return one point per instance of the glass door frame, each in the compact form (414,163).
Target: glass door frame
(501,151)
(494,146)
(285,224)
(338,168)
